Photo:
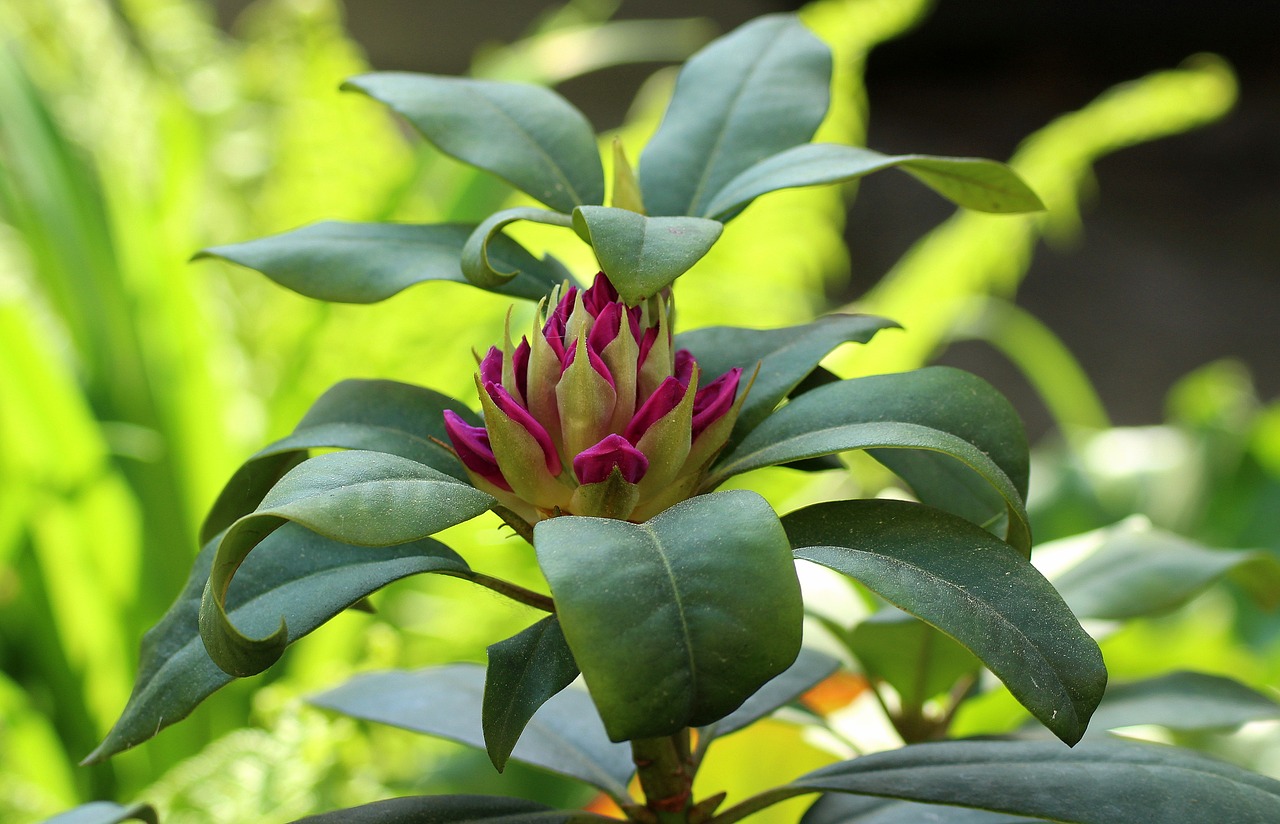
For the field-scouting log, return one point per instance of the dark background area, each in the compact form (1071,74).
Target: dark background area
(1179,260)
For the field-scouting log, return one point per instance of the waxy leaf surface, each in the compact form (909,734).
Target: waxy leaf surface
(786,356)
(643,255)
(106,812)
(489,269)
(970,585)
(810,668)
(524,672)
(856,809)
(293,572)
(452,809)
(1184,701)
(947,433)
(757,91)
(372,415)
(564,736)
(527,135)
(369,262)
(677,621)
(982,185)
(1094,783)
(362,498)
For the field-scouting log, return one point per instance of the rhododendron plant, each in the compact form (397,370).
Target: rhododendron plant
(603,437)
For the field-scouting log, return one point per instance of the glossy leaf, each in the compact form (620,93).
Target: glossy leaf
(947,433)
(487,269)
(1139,570)
(564,736)
(786,356)
(982,185)
(363,498)
(915,659)
(1094,783)
(809,669)
(677,621)
(293,572)
(757,91)
(369,262)
(970,585)
(527,135)
(644,255)
(373,415)
(1184,701)
(106,812)
(856,809)
(524,672)
(452,809)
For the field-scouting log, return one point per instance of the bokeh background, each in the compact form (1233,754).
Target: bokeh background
(1131,324)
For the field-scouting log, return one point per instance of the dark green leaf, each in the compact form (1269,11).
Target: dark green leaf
(374,415)
(810,668)
(363,498)
(478,264)
(757,91)
(677,621)
(1095,783)
(643,255)
(106,812)
(452,809)
(1184,701)
(786,356)
(565,736)
(970,585)
(917,660)
(983,185)
(855,809)
(1139,570)
(527,135)
(947,433)
(369,262)
(293,572)
(524,672)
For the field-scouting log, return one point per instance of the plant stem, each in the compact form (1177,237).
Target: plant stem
(665,768)
(513,591)
(756,803)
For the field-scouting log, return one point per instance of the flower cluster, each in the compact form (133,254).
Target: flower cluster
(594,413)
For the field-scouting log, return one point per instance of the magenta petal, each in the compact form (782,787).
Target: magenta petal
(472,445)
(646,344)
(714,400)
(684,366)
(520,415)
(607,326)
(665,398)
(491,366)
(520,361)
(600,295)
(595,464)
(595,360)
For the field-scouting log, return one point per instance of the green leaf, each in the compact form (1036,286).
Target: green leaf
(106,812)
(564,736)
(1095,783)
(369,262)
(1139,570)
(1184,701)
(809,669)
(982,185)
(643,255)
(677,621)
(373,415)
(478,265)
(448,809)
(293,572)
(786,356)
(527,135)
(757,91)
(917,660)
(970,585)
(947,433)
(363,498)
(524,672)
(855,809)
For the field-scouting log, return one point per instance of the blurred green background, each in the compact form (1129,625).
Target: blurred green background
(132,383)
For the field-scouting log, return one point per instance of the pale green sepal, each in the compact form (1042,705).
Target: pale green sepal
(586,402)
(611,498)
(520,458)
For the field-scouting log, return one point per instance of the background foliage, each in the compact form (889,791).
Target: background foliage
(132,384)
